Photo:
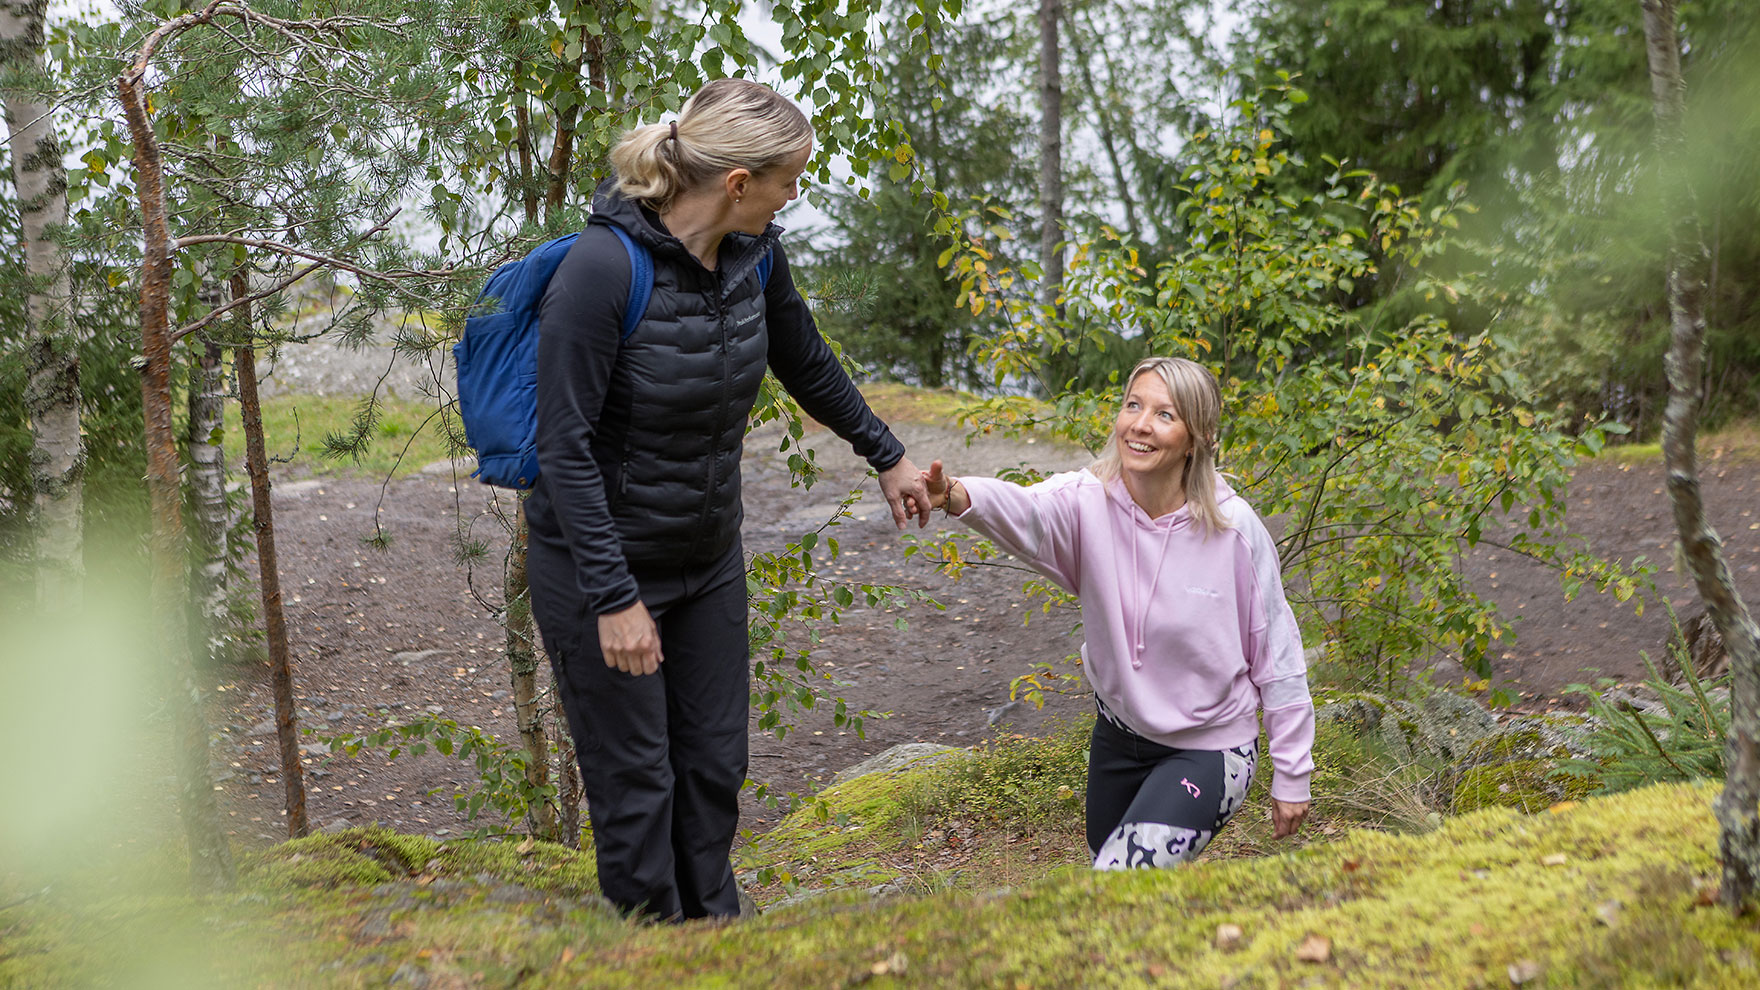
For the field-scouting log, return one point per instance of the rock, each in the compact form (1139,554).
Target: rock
(377,924)
(460,468)
(1005,712)
(895,758)
(265,728)
(409,975)
(1704,647)
(748,908)
(337,825)
(1452,723)
(1519,766)
(1525,971)
(409,657)
(1443,728)
(892,888)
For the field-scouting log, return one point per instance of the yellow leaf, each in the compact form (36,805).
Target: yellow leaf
(1215,191)
(556,46)
(1265,136)
(977,304)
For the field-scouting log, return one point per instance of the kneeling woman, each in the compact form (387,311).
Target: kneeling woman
(1188,632)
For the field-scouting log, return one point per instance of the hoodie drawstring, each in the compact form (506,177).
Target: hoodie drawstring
(1161,558)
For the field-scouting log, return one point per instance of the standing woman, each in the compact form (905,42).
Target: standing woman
(636,570)
(1188,633)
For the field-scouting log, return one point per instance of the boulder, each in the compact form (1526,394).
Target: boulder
(895,758)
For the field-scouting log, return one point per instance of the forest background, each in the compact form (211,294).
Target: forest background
(1424,246)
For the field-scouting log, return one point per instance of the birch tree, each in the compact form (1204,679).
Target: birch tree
(1050,153)
(52,398)
(210,517)
(310,146)
(1738,808)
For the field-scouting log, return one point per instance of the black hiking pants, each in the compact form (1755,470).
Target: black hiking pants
(663,756)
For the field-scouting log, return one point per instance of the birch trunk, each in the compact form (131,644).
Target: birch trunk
(52,398)
(269,575)
(1050,154)
(1738,808)
(1108,139)
(209,516)
(210,857)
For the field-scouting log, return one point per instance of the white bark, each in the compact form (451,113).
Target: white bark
(52,397)
(1050,153)
(1738,808)
(210,517)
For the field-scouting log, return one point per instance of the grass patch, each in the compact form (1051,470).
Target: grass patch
(1738,442)
(306,435)
(898,403)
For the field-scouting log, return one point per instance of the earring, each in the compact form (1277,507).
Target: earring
(736,201)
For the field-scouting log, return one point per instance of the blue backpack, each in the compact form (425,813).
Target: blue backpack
(497,356)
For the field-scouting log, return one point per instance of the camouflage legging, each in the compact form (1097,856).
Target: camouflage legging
(1151,805)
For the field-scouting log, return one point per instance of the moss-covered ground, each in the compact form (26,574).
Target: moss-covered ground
(978,865)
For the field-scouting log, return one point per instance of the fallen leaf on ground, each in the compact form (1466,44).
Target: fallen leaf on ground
(1315,949)
(1554,859)
(1228,936)
(1525,971)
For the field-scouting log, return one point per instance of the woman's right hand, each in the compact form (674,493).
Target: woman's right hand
(630,641)
(943,491)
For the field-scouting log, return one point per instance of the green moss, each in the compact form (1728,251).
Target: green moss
(1519,784)
(1601,893)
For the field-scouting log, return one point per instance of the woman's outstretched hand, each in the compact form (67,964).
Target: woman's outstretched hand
(945,492)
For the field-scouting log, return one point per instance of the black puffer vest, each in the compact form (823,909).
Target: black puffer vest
(674,419)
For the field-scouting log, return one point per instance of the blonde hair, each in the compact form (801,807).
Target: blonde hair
(728,124)
(1198,400)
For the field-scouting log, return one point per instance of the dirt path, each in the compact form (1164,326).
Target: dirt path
(407,630)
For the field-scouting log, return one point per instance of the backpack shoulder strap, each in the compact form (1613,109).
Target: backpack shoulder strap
(767,262)
(641,280)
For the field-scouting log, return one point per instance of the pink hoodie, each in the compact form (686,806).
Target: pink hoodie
(1187,637)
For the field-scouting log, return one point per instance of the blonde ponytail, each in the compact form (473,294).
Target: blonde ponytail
(728,124)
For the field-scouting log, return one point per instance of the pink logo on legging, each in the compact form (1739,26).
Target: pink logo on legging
(1190,786)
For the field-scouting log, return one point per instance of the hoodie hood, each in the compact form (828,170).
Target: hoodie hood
(740,255)
(1178,519)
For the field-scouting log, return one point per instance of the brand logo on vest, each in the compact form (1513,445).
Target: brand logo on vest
(742,321)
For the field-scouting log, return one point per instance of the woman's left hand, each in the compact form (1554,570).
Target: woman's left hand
(1288,816)
(902,484)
